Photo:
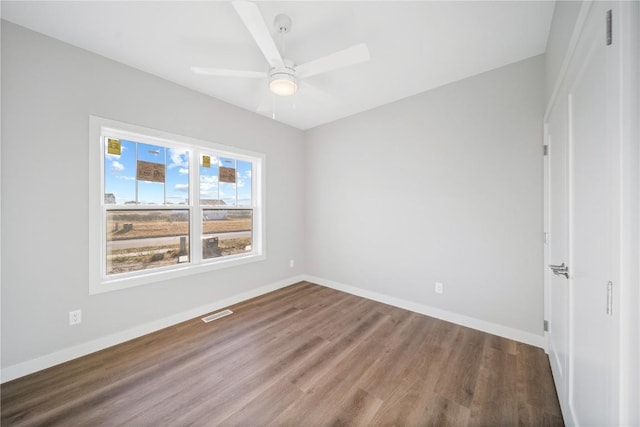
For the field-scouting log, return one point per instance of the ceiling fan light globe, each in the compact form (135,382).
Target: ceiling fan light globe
(283,84)
(283,87)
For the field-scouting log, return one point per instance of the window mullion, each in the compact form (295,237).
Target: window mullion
(195,240)
(103,212)
(256,216)
(137,244)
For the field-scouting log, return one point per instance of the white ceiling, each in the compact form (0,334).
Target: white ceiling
(414,46)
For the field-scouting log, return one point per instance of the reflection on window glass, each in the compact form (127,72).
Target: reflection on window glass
(177,187)
(208,178)
(225,181)
(151,174)
(169,206)
(226,232)
(141,240)
(244,184)
(120,174)
(145,174)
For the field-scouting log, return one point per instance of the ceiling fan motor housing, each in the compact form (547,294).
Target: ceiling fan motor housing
(283,74)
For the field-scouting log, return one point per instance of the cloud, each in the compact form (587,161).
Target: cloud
(181,187)
(208,182)
(116,166)
(184,171)
(243,178)
(178,158)
(126,178)
(213,160)
(207,187)
(208,178)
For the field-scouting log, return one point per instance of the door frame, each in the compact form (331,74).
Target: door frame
(629,176)
(627,293)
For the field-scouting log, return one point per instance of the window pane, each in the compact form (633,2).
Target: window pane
(150,193)
(151,174)
(177,176)
(208,179)
(137,173)
(245,199)
(227,180)
(120,173)
(142,240)
(226,232)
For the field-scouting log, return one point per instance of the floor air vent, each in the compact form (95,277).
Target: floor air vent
(216,316)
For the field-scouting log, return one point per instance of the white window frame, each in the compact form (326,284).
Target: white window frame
(99,282)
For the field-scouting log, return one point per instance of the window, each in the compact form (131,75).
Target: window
(166,205)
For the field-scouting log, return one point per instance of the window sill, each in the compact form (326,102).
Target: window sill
(160,275)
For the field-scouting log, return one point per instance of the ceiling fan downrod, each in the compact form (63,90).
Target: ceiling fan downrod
(283,80)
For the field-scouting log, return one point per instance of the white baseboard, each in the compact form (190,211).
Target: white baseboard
(459,319)
(30,366)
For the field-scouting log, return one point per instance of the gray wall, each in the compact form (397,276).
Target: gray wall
(49,89)
(443,186)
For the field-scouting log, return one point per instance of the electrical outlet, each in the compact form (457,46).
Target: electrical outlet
(439,288)
(75,317)
(292,263)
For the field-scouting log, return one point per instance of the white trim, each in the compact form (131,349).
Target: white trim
(545,241)
(559,88)
(99,282)
(30,366)
(459,319)
(568,55)
(628,25)
(625,138)
(159,274)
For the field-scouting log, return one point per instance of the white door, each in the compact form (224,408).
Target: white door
(582,334)
(558,205)
(593,120)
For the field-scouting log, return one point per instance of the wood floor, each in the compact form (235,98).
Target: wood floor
(304,355)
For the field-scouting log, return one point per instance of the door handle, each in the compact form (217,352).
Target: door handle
(560,270)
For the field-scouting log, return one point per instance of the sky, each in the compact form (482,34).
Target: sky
(210,188)
(120,176)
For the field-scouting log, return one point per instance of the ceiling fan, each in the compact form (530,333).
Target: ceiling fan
(283,74)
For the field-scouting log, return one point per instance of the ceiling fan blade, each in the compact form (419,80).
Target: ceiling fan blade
(317,94)
(253,20)
(266,106)
(222,72)
(343,58)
